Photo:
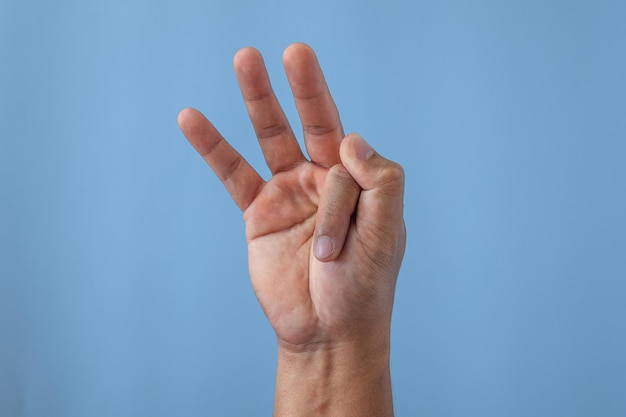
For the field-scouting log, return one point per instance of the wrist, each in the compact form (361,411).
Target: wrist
(339,379)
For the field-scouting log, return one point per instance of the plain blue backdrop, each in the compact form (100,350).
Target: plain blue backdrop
(123,277)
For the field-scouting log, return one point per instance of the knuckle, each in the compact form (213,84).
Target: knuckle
(339,174)
(230,168)
(319,130)
(271,131)
(392,172)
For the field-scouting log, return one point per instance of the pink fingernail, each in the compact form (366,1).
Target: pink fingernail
(323,247)
(362,149)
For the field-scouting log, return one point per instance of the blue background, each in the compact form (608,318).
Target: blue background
(123,277)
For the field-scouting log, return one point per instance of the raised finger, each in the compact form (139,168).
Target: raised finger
(242,182)
(321,124)
(278,143)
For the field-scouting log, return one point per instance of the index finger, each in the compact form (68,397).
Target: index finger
(242,182)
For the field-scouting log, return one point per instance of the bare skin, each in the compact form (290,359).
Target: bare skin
(325,238)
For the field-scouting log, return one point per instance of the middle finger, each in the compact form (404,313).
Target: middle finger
(278,143)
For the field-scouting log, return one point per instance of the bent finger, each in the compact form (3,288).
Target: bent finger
(334,215)
(371,171)
(242,182)
(379,215)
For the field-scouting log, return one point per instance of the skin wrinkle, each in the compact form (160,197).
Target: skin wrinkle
(212,147)
(271,131)
(337,207)
(259,97)
(290,167)
(232,168)
(320,130)
(312,96)
(382,262)
(253,196)
(301,223)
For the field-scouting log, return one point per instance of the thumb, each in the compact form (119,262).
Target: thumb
(371,171)
(379,213)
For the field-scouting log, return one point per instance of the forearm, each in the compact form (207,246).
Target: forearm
(348,380)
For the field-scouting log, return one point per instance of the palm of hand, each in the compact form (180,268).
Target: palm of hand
(302,297)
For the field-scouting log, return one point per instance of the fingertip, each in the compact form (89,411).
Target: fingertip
(324,248)
(184,113)
(189,117)
(183,117)
(298,46)
(197,129)
(244,56)
(366,166)
(362,150)
(354,146)
(298,55)
(246,51)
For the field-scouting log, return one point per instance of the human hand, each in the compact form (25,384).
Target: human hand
(325,236)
